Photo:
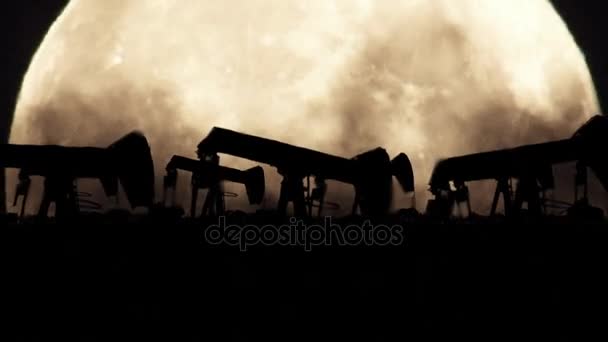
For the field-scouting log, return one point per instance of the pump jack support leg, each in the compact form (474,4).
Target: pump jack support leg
(193,201)
(495,199)
(210,203)
(299,204)
(292,190)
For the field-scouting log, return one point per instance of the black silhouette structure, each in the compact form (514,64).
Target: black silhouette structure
(128,161)
(208,174)
(530,165)
(370,172)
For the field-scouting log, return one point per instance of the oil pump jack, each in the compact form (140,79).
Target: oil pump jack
(208,174)
(370,173)
(530,165)
(128,161)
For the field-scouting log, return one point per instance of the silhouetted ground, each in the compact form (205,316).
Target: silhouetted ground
(487,279)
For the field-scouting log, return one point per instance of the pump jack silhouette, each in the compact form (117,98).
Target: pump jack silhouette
(530,165)
(128,161)
(370,173)
(208,174)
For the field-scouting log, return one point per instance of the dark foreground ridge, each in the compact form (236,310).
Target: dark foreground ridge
(162,279)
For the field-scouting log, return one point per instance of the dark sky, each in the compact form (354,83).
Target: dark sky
(585,19)
(26,22)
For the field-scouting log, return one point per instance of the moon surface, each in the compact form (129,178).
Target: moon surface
(432,78)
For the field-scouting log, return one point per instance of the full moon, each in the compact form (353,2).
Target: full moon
(431,78)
